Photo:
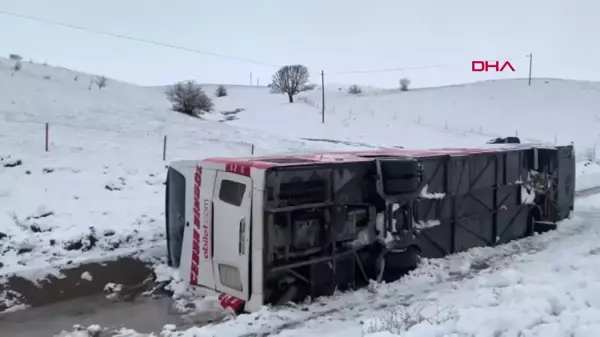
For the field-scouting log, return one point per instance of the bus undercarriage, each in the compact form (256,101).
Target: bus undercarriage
(339,225)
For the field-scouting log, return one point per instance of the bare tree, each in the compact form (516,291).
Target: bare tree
(189,98)
(17,66)
(354,89)
(221,91)
(404,83)
(291,80)
(101,82)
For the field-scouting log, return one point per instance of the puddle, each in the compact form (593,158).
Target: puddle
(144,315)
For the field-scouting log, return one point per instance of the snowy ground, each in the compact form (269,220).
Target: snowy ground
(99,189)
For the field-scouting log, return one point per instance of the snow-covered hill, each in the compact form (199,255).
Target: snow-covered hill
(98,191)
(550,110)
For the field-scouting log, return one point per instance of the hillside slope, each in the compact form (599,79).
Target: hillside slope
(550,110)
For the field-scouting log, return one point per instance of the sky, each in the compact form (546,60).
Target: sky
(336,36)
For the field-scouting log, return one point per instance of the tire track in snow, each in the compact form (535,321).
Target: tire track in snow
(587,192)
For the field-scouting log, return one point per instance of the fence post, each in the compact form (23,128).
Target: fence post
(47,135)
(446,124)
(165,148)
(480,130)
(252,149)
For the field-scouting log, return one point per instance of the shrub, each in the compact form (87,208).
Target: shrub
(221,91)
(189,98)
(354,89)
(101,82)
(404,83)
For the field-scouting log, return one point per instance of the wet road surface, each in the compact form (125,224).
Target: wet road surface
(143,315)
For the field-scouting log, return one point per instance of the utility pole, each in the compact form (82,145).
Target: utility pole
(530,65)
(323,97)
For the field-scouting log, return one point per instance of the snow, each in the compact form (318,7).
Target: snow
(86,276)
(95,330)
(527,195)
(459,115)
(98,193)
(79,331)
(113,287)
(427,224)
(588,176)
(427,195)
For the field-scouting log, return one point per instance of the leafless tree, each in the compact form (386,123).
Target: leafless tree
(189,98)
(17,66)
(404,83)
(291,80)
(101,82)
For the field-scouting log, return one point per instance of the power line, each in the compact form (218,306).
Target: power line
(384,70)
(203,52)
(136,39)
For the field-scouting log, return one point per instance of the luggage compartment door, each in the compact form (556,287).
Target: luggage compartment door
(231,228)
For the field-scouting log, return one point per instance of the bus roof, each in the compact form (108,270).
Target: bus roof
(294,159)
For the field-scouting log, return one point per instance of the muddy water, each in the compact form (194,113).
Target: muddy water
(144,314)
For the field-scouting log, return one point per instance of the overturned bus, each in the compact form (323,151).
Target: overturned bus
(273,229)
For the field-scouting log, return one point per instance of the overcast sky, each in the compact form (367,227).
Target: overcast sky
(333,35)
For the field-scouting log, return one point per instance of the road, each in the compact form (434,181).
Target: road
(144,315)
